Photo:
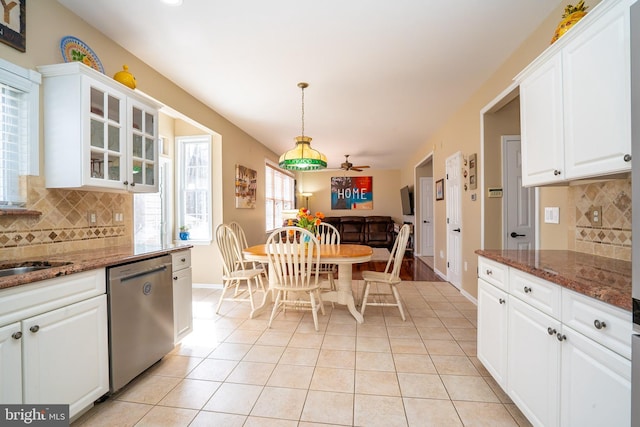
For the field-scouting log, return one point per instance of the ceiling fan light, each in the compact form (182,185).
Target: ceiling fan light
(172,2)
(302,157)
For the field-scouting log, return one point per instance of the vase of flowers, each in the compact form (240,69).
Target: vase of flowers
(305,219)
(184,232)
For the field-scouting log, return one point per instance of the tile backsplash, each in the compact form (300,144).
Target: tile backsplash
(64,224)
(612,239)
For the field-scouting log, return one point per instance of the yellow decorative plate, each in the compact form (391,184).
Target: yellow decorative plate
(74,49)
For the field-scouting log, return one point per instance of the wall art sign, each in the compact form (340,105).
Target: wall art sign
(246,184)
(13,25)
(352,192)
(440,189)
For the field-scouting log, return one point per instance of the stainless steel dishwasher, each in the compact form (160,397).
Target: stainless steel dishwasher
(140,303)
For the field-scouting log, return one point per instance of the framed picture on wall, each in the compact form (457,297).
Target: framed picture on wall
(13,26)
(440,189)
(246,183)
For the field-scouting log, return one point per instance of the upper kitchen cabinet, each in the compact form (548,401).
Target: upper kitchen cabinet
(575,101)
(98,134)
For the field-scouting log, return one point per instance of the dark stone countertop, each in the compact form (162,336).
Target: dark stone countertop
(75,262)
(605,279)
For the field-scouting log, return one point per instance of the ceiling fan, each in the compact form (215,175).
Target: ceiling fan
(348,166)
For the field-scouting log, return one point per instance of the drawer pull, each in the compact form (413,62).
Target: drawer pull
(489,272)
(501,301)
(183,259)
(16,335)
(34,328)
(551,331)
(556,172)
(175,277)
(527,289)
(561,337)
(599,325)
(627,158)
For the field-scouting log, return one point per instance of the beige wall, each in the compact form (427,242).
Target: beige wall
(386,192)
(48,22)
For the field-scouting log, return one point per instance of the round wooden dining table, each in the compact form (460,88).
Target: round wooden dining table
(344,256)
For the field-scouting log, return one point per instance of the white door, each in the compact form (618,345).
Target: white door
(453,200)
(519,226)
(426,216)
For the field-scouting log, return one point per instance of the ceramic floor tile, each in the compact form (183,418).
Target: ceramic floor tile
(306,340)
(161,416)
(337,328)
(175,366)
(373,361)
(208,419)
(246,336)
(328,407)
(428,386)
(434,333)
(517,415)
(148,389)
(191,394)
(377,382)
(484,414)
(264,353)
(414,363)
(379,344)
(300,356)
(234,398)
(230,351)
(454,365)
(113,413)
(337,359)
(431,412)
(464,387)
(444,348)
(268,422)
(213,370)
(279,402)
(339,342)
(457,322)
(383,411)
(275,338)
(407,345)
(409,332)
(463,334)
(331,379)
(251,373)
(291,376)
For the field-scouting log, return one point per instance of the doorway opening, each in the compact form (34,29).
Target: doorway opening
(424,229)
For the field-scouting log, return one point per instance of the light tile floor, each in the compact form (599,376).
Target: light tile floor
(234,371)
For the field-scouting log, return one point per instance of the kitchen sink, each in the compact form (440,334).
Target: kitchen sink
(27,267)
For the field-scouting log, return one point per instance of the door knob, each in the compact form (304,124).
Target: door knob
(456,229)
(514,234)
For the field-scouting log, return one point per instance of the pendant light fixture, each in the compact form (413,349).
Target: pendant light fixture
(302,157)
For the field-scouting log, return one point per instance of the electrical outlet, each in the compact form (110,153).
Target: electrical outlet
(118,217)
(92,218)
(595,216)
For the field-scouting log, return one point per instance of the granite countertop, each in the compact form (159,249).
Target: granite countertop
(606,279)
(74,262)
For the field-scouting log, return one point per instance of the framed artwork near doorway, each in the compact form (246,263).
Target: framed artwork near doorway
(13,24)
(440,189)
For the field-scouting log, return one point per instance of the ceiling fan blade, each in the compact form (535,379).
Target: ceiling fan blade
(360,167)
(357,169)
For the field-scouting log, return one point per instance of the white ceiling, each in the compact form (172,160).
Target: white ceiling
(383,75)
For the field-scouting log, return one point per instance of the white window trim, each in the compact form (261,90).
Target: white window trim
(179,186)
(27,81)
(275,166)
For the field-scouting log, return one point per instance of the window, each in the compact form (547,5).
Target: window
(194,186)
(278,194)
(152,211)
(19,109)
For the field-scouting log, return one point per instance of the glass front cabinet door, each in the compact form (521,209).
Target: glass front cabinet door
(99,134)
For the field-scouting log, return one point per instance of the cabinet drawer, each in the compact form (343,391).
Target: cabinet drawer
(606,324)
(493,272)
(181,260)
(541,294)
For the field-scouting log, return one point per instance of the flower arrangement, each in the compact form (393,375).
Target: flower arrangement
(305,219)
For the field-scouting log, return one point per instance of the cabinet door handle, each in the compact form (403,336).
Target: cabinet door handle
(551,331)
(561,337)
(489,272)
(527,289)
(126,183)
(175,277)
(501,301)
(556,172)
(133,184)
(16,335)
(627,158)
(183,259)
(34,328)
(599,325)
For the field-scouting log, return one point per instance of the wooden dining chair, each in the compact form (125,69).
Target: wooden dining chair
(235,272)
(327,234)
(294,260)
(390,276)
(242,241)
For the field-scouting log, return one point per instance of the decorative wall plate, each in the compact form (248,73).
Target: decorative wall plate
(74,49)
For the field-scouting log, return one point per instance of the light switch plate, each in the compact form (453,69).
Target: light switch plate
(552,215)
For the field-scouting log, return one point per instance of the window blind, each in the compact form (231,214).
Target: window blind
(12,138)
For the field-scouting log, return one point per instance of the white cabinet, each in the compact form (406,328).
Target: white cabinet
(575,101)
(492,331)
(53,341)
(182,294)
(533,363)
(567,355)
(98,134)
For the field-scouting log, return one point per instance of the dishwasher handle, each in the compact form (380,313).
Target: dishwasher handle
(137,274)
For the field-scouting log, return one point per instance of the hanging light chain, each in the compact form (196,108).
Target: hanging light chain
(302,86)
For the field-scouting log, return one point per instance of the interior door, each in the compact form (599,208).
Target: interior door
(453,200)
(426,216)
(519,226)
